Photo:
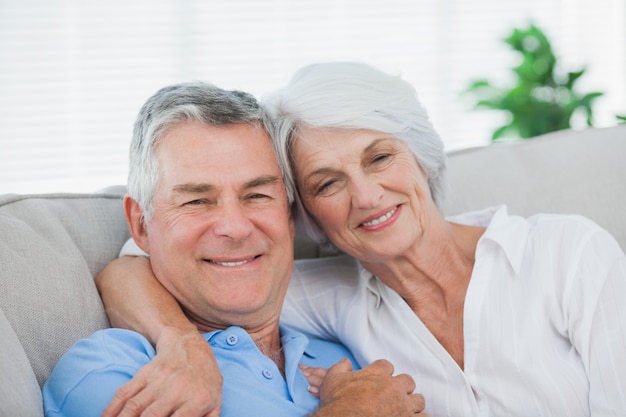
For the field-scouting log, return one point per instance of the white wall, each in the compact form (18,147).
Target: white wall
(74,73)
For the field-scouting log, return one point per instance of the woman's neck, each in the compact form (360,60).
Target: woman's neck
(433,278)
(436,268)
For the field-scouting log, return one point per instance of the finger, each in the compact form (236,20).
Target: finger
(151,402)
(407,381)
(314,376)
(143,404)
(314,390)
(383,366)
(344,365)
(187,409)
(114,407)
(180,401)
(418,402)
(313,372)
(315,379)
(123,394)
(154,410)
(175,401)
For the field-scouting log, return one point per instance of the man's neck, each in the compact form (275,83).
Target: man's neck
(266,338)
(268,342)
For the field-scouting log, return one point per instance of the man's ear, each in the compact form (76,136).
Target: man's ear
(136,223)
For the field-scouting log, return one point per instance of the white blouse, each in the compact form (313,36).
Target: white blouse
(544,321)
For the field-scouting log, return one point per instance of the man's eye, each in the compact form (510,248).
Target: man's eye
(257,196)
(195,202)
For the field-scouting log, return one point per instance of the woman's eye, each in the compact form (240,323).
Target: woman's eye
(325,186)
(380,157)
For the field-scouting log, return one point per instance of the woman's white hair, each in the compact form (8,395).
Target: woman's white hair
(351,95)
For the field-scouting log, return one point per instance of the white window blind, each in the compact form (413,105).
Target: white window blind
(73,73)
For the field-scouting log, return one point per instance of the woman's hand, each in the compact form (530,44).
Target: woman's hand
(182,380)
(315,376)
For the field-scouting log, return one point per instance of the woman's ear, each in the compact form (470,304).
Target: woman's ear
(136,223)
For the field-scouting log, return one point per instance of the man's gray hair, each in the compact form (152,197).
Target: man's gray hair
(191,101)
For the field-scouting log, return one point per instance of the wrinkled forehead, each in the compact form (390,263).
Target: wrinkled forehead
(205,152)
(309,140)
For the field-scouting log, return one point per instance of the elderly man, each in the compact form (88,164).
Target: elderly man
(207,203)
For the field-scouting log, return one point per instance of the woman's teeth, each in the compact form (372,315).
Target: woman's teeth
(381,219)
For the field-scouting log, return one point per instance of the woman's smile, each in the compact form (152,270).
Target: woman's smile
(377,222)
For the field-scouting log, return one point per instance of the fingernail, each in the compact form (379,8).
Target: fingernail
(312,389)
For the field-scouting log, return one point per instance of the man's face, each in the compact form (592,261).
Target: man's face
(221,237)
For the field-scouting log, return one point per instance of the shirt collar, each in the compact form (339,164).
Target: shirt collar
(507,232)
(372,283)
(295,339)
(510,233)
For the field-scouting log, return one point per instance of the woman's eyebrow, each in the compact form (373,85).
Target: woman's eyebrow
(319,171)
(374,143)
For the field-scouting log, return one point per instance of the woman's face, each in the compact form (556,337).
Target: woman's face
(364,188)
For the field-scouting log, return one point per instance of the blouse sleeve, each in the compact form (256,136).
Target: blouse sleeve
(319,291)
(602,344)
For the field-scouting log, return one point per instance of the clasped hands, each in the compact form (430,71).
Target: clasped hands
(180,381)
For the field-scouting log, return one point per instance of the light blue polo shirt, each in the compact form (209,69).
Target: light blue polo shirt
(86,378)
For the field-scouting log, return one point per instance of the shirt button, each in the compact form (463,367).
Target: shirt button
(267,373)
(232,339)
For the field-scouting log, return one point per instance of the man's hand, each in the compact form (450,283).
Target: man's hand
(174,383)
(371,391)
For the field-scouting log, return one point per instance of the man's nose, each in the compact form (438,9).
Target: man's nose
(232,222)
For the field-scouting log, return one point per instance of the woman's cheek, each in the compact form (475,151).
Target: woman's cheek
(327,212)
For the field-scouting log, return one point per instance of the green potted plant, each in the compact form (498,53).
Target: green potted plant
(541,100)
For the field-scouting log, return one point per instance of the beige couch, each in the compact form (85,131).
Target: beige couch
(51,246)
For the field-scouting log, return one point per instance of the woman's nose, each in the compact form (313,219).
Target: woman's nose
(366,193)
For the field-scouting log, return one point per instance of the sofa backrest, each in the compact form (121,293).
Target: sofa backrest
(579,172)
(51,246)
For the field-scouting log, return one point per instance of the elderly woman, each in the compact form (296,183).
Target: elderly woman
(491,314)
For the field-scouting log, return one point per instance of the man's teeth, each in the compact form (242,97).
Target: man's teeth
(381,219)
(238,263)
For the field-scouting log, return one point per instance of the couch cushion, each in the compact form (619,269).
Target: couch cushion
(51,246)
(19,392)
(582,172)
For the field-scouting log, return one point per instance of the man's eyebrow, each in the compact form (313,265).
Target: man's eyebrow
(263,180)
(193,188)
(196,188)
